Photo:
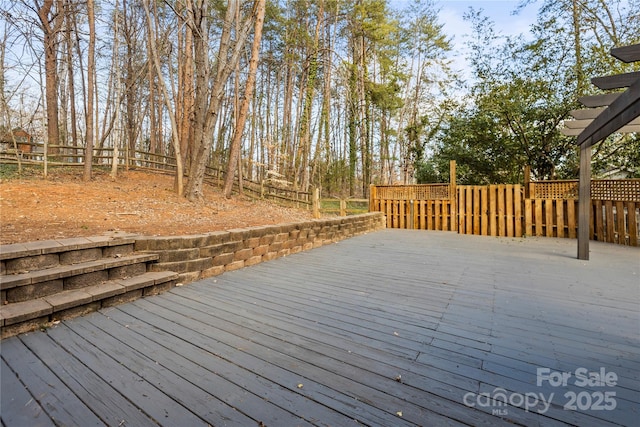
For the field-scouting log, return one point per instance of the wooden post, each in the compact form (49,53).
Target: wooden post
(372,197)
(316,202)
(453,195)
(411,213)
(527,182)
(584,201)
(343,207)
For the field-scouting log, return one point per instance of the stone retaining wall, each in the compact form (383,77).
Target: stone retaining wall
(203,255)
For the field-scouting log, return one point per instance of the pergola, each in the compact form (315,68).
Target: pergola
(604,115)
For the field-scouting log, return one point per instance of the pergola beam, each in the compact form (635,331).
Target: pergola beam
(567,131)
(577,124)
(587,113)
(617,81)
(582,124)
(598,100)
(627,53)
(624,109)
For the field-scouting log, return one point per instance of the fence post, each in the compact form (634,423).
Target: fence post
(453,195)
(343,207)
(316,202)
(527,182)
(411,213)
(372,197)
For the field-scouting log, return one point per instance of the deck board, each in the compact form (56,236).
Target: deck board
(323,367)
(128,381)
(228,380)
(98,395)
(393,328)
(17,406)
(64,407)
(181,378)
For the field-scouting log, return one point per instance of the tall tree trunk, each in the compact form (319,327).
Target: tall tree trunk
(165,95)
(228,55)
(132,107)
(363,116)
(88,153)
(185,95)
(4,108)
(352,126)
(51,21)
(578,48)
(309,95)
(72,89)
(234,150)
(151,75)
(326,99)
(117,70)
(287,143)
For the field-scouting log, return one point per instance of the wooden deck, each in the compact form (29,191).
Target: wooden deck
(394,328)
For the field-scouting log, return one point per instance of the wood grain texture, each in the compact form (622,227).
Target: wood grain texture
(393,322)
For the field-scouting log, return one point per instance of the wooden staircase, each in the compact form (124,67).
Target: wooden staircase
(46,281)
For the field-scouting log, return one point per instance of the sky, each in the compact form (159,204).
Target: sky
(499,11)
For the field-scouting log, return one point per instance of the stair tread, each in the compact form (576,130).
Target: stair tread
(22,311)
(62,271)
(41,247)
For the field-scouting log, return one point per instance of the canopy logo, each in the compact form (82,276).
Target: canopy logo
(596,398)
(499,399)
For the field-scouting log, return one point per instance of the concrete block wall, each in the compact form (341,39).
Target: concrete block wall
(204,255)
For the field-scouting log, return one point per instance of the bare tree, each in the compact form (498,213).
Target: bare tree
(91,66)
(234,150)
(51,21)
(130,31)
(4,107)
(70,43)
(185,92)
(165,95)
(209,101)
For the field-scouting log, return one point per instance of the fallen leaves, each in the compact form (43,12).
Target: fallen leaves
(137,202)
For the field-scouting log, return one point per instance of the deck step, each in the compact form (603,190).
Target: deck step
(39,283)
(15,258)
(51,280)
(28,315)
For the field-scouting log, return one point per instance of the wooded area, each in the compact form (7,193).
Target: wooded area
(323,93)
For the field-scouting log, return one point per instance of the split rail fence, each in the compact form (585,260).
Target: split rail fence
(543,208)
(142,160)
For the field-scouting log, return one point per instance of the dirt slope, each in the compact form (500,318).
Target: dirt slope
(136,202)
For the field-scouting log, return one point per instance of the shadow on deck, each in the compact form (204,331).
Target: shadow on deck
(394,328)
